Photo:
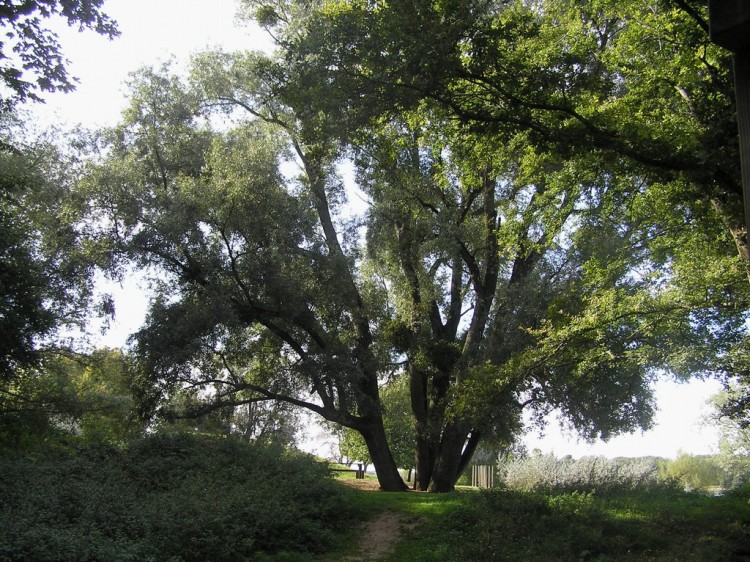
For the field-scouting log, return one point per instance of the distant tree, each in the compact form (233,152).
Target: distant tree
(399,429)
(730,415)
(30,53)
(399,421)
(587,474)
(103,382)
(694,472)
(253,419)
(38,403)
(90,396)
(353,448)
(735,431)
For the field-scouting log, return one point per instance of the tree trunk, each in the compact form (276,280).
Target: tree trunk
(388,476)
(424,464)
(424,456)
(446,471)
(468,452)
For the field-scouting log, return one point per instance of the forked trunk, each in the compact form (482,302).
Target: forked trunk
(448,462)
(424,463)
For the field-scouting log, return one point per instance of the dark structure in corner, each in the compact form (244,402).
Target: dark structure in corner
(730,28)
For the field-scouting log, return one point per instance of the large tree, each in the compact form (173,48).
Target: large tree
(260,296)
(628,100)
(524,248)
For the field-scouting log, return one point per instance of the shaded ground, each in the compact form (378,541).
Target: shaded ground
(658,524)
(379,535)
(365,484)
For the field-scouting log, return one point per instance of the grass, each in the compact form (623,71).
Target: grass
(662,525)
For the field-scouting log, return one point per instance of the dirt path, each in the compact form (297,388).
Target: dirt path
(379,537)
(380,534)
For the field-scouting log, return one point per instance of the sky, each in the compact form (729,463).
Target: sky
(155,30)
(152,31)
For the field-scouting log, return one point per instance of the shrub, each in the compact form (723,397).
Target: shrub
(605,476)
(172,498)
(694,472)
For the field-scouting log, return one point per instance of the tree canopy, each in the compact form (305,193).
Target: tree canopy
(31,55)
(45,281)
(46,272)
(553,217)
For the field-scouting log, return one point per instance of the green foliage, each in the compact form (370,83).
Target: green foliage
(34,403)
(694,472)
(167,497)
(505,525)
(44,280)
(90,396)
(46,286)
(23,315)
(31,54)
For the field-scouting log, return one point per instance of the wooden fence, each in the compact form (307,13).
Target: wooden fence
(483,476)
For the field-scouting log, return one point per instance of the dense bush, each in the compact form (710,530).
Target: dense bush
(695,472)
(547,472)
(171,498)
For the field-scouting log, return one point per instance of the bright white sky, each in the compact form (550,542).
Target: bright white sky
(154,30)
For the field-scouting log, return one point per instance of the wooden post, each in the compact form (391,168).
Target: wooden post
(483,476)
(730,28)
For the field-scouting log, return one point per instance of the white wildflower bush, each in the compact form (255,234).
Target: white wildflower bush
(540,472)
(535,472)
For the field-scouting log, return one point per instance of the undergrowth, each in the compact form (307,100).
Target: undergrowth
(176,498)
(503,525)
(189,498)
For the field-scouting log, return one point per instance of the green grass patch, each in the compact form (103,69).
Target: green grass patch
(509,526)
